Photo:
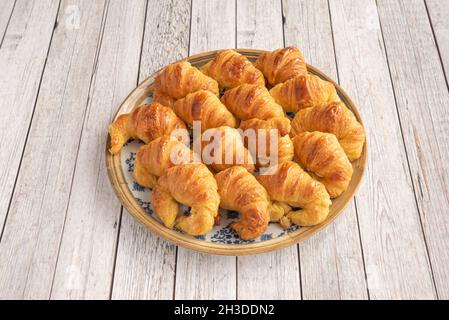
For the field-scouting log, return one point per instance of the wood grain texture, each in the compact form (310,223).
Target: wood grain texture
(273,275)
(62,220)
(209,19)
(422,100)
(38,209)
(87,254)
(395,255)
(166,35)
(259,25)
(115,172)
(331,262)
(5,16)
(438,12)
(198,275)
(204,276)
(22,59)
(145,267)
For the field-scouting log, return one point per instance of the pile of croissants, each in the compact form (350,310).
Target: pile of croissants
(315,149)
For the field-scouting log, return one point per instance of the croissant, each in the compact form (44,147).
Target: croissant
(192,185)
(303,92)
(289,183)
(334,118)
(262,130)
(179,79)
(282,124)
(282,64)
(321,154)
(163,99)
(223,148)
(145,123)
(232,69)
(250,101)
(240,191)
(204,106)
(160,154)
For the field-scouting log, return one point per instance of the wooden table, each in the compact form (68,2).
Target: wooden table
(65,66)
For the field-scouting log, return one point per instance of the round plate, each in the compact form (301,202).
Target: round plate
(222,239)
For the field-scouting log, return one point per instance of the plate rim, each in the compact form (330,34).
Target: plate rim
(127,199)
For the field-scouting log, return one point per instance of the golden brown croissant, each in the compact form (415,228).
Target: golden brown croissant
(282,64)
(262,130)
(163,99)
(232,69)
(223,148)
(204,106)
(240,191)
(158,155)
(303,92)
(179,79)
(145,123)
(250,101)
(334,118)
(321,154)
(192,185)
(290,184)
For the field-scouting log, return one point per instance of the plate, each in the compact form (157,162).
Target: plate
(222,239)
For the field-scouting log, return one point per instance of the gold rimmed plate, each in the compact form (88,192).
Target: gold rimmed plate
(222,239)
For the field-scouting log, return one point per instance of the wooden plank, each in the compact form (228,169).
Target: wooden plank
(332,264)
(273,275)
(209,19)
(203,276)
(438,12)
(422,99)
(29,248)
(394,249)
(5,16)
(259,25)
(22,59)
(145,267)
(87,254)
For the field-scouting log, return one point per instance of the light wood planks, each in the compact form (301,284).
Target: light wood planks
(203,276)
(259,25)
(422,100)
(22,59)
(145,267)
(438,12)
(5,16)
(30,243)
(87,254)
(145,264)
(331,262)
(61,233)
(395,254)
